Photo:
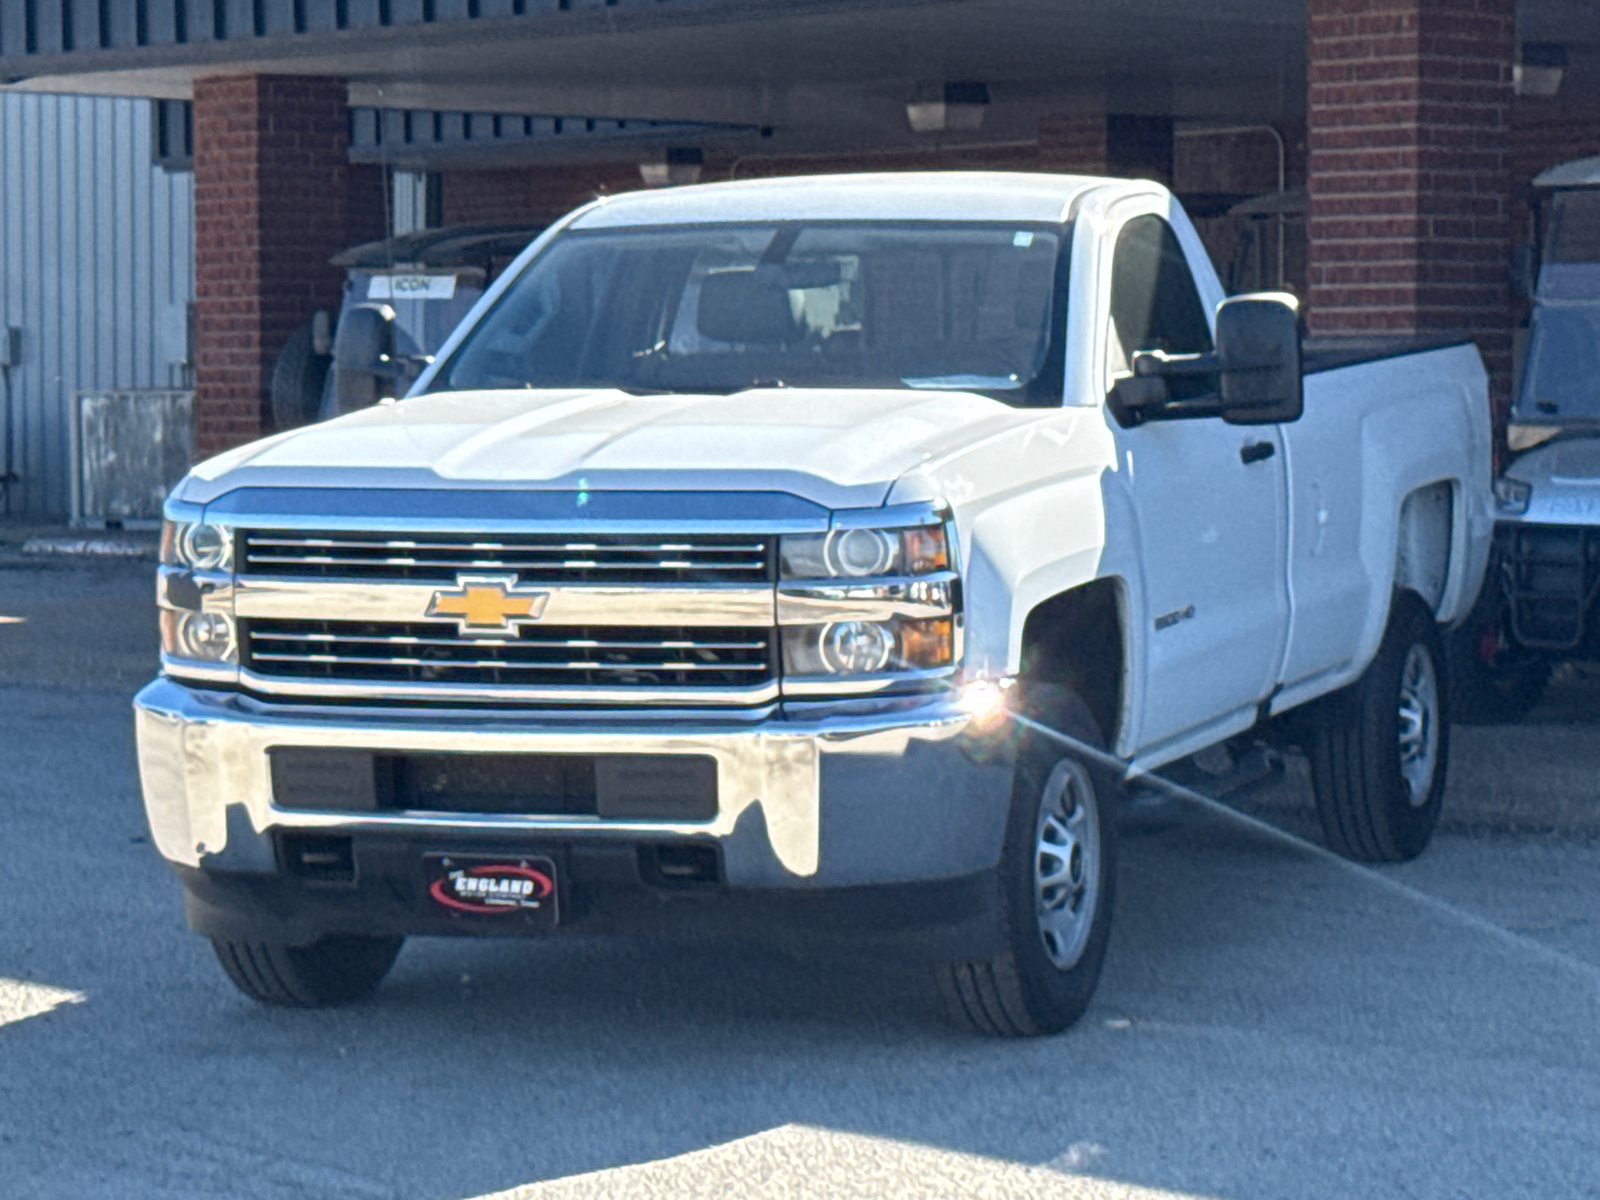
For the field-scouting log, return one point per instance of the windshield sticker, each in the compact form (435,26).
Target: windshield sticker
(1022,239)
(412,287)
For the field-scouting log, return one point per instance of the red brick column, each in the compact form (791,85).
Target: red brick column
(1409,171)
(274,197)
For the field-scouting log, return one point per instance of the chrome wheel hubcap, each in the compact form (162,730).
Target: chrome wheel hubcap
(1066,863)
(1419,724)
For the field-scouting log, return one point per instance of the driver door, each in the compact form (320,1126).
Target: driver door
(1209,503)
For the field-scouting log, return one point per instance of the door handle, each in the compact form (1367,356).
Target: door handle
(1252,452)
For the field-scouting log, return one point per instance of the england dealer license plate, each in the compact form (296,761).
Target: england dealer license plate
(520,889)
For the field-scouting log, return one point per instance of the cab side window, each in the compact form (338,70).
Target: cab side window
(1154,302)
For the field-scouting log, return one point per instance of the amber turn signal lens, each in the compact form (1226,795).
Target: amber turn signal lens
(925,644)
(925,550)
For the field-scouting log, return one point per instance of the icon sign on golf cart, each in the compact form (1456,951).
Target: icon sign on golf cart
(411,287)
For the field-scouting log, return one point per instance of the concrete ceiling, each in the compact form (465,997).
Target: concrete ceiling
(829,74)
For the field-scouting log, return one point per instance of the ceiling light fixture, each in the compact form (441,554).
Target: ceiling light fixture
(949,107)
(1540,70)
(680,164)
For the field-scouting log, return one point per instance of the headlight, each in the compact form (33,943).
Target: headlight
(864,553)
(193,592)
(867,647)
(866,601)
(197,545)
(1511,496)
(198,636)
(855,647)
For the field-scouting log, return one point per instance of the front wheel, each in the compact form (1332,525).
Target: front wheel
(332,970)
(1056,884)
(1378,750)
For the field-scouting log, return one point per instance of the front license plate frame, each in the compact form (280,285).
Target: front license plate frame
(499,889)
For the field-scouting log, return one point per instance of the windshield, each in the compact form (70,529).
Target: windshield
(723,308)
(1562,375)
(1571,266)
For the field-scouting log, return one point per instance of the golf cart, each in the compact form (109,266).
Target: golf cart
(402,297)
(1539,607)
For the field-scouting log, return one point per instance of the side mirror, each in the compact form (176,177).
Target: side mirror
(1254,371)
(363,341)
(362,357)
(1258,343)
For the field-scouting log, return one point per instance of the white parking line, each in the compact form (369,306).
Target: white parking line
(1507,937)
(799,1162)
(19,1000)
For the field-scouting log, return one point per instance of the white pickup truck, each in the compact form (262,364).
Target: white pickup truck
(732,554)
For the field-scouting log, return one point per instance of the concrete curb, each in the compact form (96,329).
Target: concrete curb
(89,547)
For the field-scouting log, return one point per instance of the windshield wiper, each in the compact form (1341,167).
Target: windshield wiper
(712,389)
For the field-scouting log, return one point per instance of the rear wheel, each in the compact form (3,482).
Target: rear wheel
(333,970)
(1378,750)
(1056,882)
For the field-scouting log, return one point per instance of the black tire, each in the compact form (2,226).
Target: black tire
(333,970)
(1493,681)
(1378,749)
(298,377)
(1024,991)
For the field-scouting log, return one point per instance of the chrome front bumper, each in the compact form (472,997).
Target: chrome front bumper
(894,797)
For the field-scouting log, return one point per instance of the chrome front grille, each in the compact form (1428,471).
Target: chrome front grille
(434,654)
(536,558)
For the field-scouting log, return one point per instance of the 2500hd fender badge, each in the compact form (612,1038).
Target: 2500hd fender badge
(498,887)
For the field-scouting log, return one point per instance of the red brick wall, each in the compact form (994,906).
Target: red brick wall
(762,166)
(1074,144)
(275,196)
(1410,170)
(1241,161)
(529,193)
(1544,133)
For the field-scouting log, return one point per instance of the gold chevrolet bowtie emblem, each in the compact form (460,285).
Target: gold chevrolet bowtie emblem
(488,605)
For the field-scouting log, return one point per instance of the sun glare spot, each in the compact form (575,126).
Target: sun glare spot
(20,1000)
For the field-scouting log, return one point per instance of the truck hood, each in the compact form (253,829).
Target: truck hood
(835,447)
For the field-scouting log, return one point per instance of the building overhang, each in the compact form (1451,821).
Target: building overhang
(847,67)
(820,75)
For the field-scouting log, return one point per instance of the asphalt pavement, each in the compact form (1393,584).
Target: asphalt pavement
(1273,1022)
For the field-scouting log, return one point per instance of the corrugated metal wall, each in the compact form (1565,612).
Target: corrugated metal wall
(97,268)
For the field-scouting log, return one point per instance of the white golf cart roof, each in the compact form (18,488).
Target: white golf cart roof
(1580,172)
